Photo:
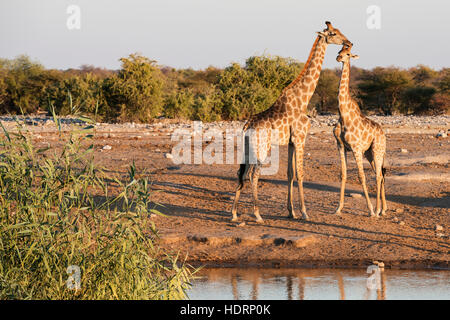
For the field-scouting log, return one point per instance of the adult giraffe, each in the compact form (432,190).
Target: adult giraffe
(286,122)
(360,135)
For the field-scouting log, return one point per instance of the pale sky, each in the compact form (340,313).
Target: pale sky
(200,33)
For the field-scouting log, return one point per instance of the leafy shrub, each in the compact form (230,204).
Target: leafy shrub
(255,87)
(24,81)
(142,91)
(56,210)
(179,104)
(382,88)
(417,99)
(207,106)
(135,93)
(439,104)
(77,94)
(325,97)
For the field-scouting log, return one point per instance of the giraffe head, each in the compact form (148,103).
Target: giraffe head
(333,35)
(345,54)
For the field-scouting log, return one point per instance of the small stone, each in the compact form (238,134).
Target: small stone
(395,219)
(440,235)
(438,228)
(168,156)
(399,210)
(241,224)
(404,150)
(107,147)
(441,134)
(402,223)
(356,195)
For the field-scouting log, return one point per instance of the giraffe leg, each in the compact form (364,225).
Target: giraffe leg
(291,176)
(362,178)
(379,177)
(376,166)
(254,177)
(299,145)
(383,193)
(343,157)
(241,175)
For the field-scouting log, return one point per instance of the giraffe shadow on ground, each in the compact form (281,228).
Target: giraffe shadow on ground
(443,202)
(301,226)
(375,241)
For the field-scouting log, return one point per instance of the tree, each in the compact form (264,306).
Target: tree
(417,99)
(255,87)
(382,88)
(325,97)
(23,84)
(423,75)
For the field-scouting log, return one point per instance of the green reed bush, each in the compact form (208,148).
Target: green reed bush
(57,211)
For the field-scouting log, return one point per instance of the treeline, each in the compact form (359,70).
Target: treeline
(141,90)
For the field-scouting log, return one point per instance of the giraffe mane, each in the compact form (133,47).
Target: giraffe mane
(305,67)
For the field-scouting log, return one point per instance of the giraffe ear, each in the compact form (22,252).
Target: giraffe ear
(321,34)
(355,56)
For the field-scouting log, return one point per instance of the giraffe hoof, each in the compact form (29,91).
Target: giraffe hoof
(260,221)
(293,216)
(338,212)
(305,216)
(235,219)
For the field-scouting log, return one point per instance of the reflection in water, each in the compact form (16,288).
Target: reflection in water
(290,284)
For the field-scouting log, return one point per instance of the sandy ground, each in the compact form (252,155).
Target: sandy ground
(197,200)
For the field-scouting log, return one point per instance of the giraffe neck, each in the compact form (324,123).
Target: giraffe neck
(344,91)
(306,82)
(346,105)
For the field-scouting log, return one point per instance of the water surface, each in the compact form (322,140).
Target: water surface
(317,284)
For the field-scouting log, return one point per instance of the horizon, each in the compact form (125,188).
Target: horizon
(160,66)
(198,34)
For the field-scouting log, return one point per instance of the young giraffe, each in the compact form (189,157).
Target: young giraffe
(356,133)
(287,117)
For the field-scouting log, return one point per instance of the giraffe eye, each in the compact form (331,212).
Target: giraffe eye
(332,34)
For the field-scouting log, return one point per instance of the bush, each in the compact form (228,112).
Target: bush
(77,94)
(179,104)
(207,106)
(135,93)
(439,104)
(325,98)
(417,99)
(256,86)
(24,81)
(56,211)
(142,91)
(382,89)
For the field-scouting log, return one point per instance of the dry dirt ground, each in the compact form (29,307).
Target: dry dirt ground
(197,200)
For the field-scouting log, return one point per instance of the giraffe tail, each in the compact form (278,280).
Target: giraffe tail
(246,167)
(383,171)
